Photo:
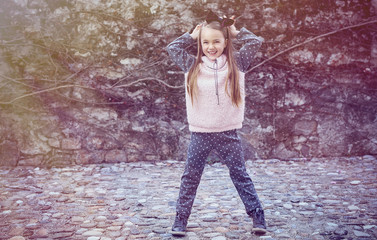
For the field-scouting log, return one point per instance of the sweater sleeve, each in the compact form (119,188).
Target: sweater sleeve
(178,52)
(250,46)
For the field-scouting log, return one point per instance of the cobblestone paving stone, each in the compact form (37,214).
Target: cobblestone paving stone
(317,199)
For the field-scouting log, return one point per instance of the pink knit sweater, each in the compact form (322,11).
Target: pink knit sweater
(210,113)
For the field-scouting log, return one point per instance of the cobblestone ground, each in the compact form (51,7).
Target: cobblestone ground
(316,199)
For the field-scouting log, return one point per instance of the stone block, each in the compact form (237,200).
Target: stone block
(31,161)
(115,156)
(332,137)
(82,157)
(133,157)
(294,99)
(338,59)
(9,153)
(301,56)
(34,146)
(101,114)
(71,144)
(54,142)
(305,127)
(94,142)
(281,152)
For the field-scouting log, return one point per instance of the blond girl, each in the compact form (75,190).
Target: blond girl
(215,103)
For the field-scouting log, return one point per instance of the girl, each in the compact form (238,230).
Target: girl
(215,102)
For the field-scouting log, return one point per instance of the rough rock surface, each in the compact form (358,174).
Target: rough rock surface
(321,199)
(69,95)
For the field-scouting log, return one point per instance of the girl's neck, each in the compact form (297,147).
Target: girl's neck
(213,60)
(221,60)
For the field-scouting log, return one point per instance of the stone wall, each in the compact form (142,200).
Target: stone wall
(317,100)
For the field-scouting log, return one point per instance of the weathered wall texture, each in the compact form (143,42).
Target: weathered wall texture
(68,93)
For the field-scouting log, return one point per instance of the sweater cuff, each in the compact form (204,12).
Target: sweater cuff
(245,34)
(187,38)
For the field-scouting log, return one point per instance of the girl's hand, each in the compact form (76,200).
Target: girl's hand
(196,31)
(233,31)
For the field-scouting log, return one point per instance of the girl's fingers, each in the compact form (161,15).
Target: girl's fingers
(233,17)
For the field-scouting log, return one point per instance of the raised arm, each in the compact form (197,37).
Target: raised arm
(178,51)
(250,46)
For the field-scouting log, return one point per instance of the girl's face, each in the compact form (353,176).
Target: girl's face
(213,43)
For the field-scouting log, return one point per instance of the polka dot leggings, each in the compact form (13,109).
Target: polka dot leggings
(228,145)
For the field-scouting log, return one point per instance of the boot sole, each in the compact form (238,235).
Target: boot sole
(259,231)
(178,234)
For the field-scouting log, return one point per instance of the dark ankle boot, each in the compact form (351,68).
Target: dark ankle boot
(259,223)
(179,226)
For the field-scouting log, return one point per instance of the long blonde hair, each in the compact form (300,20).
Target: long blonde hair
(232,85)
